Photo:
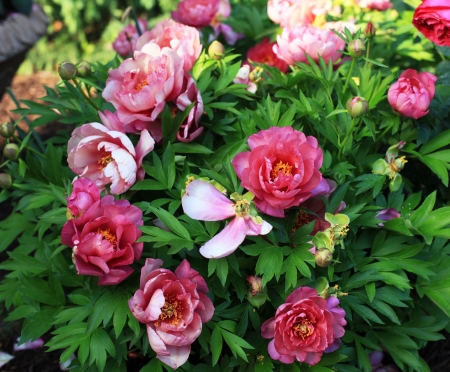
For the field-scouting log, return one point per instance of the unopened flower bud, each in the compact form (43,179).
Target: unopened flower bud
(84,69)
(67,70)
(370,31)
(323,257)
(11,151)
(356,48)
(357,106)
(216,50)
(5,181)
(256,284)
(6,129)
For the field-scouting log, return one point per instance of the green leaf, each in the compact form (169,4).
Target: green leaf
(171,222)
(38,290)
(100,344)
(216,344)
(190,148)
(421,214)
(154,366)
(236,344)
(38,323)
(269,264)
(363,358)
(437,142)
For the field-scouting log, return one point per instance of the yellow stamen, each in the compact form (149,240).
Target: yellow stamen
(106,234)
(141,85)
(104,161)
(304,328)
(284,168)
(171,312)
(241,208)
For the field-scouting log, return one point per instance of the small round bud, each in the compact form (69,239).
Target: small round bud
(6,129)
(84,69)
(5,181)
(370,31)
(67,70)
(216,50)
(257,300)
(323,257)
(11,151)
(357,106)
(356,48)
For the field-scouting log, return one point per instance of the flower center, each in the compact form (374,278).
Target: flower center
(171,312)
(106,234)
(303,218)
(284,168)
(241,208)
(304,328)
(396,166)
(104,161)
(141,85)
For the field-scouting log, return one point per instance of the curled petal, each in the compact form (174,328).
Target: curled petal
(178,355)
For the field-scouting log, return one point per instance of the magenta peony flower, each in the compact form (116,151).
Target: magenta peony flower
(182,39)
(107,157)
(375,4)
(196,13)
(173,306)
(305,327)
(125,44)
(202,201)
(104,240)
(84,194)
(142,85)
(281,168)
(411,95)
(293,45)
(432,19)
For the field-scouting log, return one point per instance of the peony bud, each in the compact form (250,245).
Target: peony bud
(84,69)
(256,284)
(5,181)
(67,70)
(216,50)
(11,151)
(370,31)
(357,106)
(6,129)
(323,257)
(356,48)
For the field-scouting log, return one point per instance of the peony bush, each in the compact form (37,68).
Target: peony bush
(248,186)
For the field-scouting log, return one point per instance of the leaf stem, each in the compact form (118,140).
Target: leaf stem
(347,136)
(80,88)
(30,148)
(350,72)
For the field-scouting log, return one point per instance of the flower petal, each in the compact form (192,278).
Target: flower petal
(178,355)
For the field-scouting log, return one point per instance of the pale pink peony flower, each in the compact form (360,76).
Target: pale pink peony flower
(202,201)
(243,77)
(375,4)
(173,306)
(141,86)
(182,39)
(411,95)
(125,43)
(196,13)
(281,169)
(84,194)
(107,157)
(293,45)
(305,327)
(104,240)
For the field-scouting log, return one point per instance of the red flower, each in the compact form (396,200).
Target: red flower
(104,240)
(305,327)
(432,18)
(263,53)
(281,169)
(173,306)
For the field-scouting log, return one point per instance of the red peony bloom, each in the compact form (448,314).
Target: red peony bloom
(281,169)
(263,53)
(104,240)
(432,18)
(305,327)
(173,306)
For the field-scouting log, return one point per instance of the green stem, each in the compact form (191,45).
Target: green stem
(347,136)
(350,72)
(138,27)
(80,88)
(30,148)
(442,56)
(6,162)
(384,132)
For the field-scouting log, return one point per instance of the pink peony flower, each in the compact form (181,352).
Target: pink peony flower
(196,13)
(104,240)
(243,77)
(202,201)
(375,4)
(107,157)
(142,85)
(281,169)
(125,44)
(411,95)
(305,327)
(432,19)
(173,306)
(293,45)
(290,13)
(263,53)
(182,39)
(84,194)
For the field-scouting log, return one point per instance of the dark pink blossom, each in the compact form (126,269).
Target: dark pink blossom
(84,194)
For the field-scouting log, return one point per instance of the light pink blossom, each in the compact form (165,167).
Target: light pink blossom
(293,45)
(243,77)
(182,39)
(107,157)
(196,13)
(125,43)
(375,4)
(173,306)
(202,201)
